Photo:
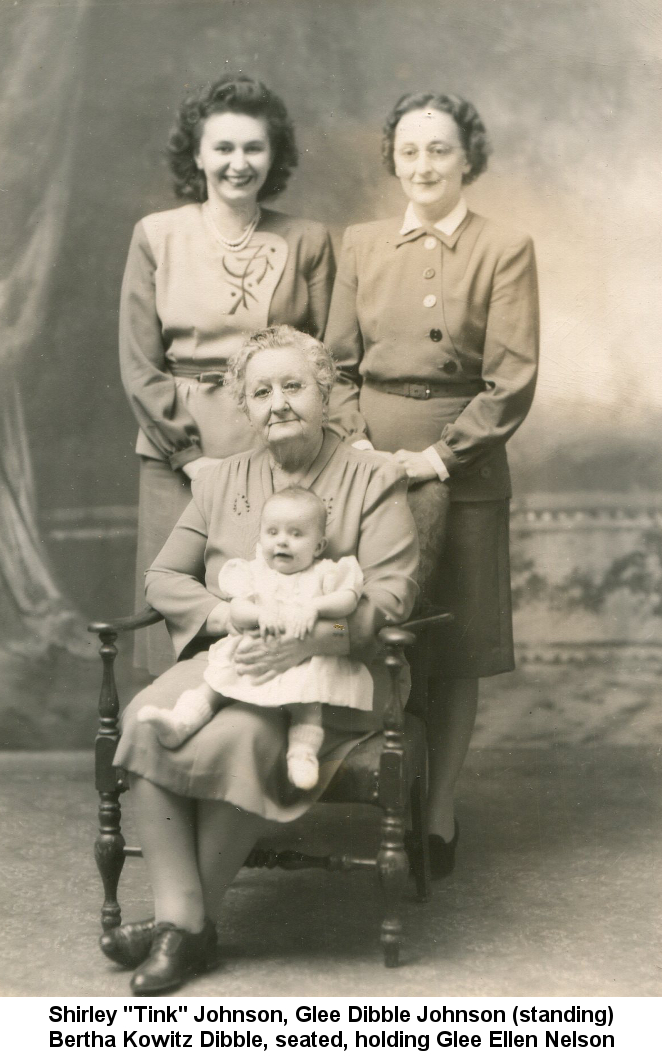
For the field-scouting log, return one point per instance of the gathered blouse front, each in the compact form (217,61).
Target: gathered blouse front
(187,305)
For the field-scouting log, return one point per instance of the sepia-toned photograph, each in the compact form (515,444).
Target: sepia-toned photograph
(330,498)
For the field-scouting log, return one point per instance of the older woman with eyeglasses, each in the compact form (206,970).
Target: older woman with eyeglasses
(199,809)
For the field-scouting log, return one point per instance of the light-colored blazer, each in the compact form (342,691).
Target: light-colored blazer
(187,306)
(459,312)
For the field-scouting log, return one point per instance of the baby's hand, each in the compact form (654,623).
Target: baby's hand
(270,621)
(301,621)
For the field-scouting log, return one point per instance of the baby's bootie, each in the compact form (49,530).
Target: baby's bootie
(302,767)
(173,727)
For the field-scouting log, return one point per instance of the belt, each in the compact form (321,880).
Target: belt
(216,378)
(423,391)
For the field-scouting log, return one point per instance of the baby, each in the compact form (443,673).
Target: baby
(283,591)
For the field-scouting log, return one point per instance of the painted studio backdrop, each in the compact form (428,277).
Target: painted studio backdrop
(569,92)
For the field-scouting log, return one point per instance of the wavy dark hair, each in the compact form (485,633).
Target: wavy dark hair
(473,134)
(238,94)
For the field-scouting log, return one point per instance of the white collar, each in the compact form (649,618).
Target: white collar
(448,224)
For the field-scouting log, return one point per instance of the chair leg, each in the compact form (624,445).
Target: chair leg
(420,854)
(109,846)
(393,869)
(109,855)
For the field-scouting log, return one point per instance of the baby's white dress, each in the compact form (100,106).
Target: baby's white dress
(336,681)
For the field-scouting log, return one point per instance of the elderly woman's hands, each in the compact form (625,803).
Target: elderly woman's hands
(262,659)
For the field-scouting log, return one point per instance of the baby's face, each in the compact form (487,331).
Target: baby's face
(290,535)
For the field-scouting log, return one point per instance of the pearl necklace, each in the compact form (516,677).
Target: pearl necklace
(236,245)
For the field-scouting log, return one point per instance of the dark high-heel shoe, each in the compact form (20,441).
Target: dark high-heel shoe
(129,944)
(175,955)
(442,854)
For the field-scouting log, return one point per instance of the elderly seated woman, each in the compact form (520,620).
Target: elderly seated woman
(200,808)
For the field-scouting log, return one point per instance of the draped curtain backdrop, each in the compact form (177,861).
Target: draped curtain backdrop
(569,90)
(38,107)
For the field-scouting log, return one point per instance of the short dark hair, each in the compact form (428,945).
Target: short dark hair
(238,94)
(298,493)
(473,134)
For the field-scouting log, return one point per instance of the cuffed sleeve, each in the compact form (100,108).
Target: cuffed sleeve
(510,365)
(183,456)
(438,464)
(149,386)
(345,341)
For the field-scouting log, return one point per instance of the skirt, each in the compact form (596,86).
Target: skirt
(239,757)
(464,545)
(473,583)
(164,494)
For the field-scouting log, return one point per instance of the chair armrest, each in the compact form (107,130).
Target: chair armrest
(107,778)
(404,635)
(145,617)
(428,620)
(395,636)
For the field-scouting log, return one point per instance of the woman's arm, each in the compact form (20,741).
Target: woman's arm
(345,341)
(175,582)
(510,365)
(150,388)
(388,555)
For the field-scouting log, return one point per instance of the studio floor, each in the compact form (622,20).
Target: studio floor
(556,891)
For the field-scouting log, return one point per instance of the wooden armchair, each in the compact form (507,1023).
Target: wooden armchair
(388,770)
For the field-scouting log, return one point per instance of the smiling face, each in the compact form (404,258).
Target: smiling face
(291,534)
(283,400)
(430,161)
(235,156)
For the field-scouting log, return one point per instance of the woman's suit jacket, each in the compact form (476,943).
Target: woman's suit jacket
(458,313)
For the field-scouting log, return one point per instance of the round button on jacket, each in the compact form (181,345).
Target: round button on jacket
(429,301)
(429,242)
(429,273)
(485,472)
(436,335)
(450,367)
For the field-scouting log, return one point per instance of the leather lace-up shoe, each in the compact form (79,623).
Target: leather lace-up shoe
(129,944)
(175,955)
